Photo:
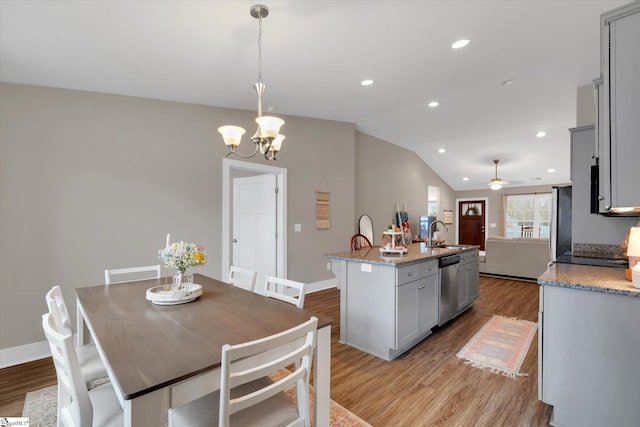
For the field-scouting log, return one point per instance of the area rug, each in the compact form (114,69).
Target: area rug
(40,407)
(500,346)
(339,416)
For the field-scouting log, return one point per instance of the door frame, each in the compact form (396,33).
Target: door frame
(486,216)
(281,212)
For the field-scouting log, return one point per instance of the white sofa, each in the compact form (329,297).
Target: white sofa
(521,257)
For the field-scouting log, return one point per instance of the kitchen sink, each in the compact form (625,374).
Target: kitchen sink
(456,247)
(460,247)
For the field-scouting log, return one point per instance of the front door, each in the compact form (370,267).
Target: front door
(471,217)
(254,225)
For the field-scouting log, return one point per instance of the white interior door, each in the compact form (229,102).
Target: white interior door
(254,238)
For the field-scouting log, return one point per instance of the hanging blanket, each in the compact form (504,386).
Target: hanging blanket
(322,210)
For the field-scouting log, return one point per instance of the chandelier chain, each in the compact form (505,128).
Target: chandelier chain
(259,47)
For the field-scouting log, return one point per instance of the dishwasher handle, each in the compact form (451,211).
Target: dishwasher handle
(448,260)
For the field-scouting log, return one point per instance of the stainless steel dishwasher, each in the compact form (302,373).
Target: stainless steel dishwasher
(448,288)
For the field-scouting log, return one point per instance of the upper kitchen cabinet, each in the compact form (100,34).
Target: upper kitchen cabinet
(618,116)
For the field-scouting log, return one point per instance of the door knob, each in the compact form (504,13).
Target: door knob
(235,240)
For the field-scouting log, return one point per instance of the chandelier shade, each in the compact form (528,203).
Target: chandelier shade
(232,135)
(277,143)
(269,126)
(267,138)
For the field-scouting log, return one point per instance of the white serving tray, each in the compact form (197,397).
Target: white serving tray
(164,295)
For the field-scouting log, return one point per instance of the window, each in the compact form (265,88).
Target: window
(432,202)
(527,215)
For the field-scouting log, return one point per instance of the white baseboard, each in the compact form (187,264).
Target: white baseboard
(24,353)
(322,285)
(39,350)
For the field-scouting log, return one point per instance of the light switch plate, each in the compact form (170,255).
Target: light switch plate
(492,225)
(297,227)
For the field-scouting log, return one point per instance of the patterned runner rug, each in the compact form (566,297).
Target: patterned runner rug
(41,407)
(500,346)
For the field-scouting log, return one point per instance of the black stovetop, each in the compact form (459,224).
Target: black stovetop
(569,258)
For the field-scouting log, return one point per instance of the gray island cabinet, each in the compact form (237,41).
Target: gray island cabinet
(588,346)
(390,303)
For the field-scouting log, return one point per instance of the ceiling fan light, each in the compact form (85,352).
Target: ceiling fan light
(496,183)
(269,126)
(232,135)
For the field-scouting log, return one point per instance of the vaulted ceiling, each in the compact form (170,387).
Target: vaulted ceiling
(316,53)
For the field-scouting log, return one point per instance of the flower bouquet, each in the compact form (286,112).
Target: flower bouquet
(181,256)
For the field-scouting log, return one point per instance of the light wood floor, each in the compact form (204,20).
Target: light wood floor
(428,386)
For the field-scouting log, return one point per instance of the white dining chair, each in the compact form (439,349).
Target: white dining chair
(253,384)
(133,273)
(242,278)
(78,406)
(91,366)
(278,288)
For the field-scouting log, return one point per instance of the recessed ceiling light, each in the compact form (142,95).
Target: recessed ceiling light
(367,82)
(508,82)
(434,104)
(466,178)
(552,170)
(442,150)
(541,134)
(459,44)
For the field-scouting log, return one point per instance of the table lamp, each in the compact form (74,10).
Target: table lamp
(633,252)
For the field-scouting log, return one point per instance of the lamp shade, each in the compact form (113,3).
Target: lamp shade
(232,135)
(277,143)
(269,126)
(633,248)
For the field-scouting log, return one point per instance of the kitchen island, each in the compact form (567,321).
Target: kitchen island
(389,303)
(589,346)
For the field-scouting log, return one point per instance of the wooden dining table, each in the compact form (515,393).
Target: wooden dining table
(162,356)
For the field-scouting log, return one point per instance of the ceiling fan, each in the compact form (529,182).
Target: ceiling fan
(496,183)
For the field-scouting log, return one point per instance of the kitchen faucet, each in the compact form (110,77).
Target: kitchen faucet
(430,239)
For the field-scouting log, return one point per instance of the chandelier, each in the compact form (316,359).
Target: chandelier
(267,138)
(496,183)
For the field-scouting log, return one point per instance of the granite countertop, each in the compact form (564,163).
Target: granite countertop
(610,280)
(416,252)
(608,255)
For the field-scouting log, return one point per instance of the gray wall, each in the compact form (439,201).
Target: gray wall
(495,202)
(585,110)
(386,174)
(89,181)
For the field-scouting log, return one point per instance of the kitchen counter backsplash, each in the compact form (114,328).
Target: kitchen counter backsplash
(598,250)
